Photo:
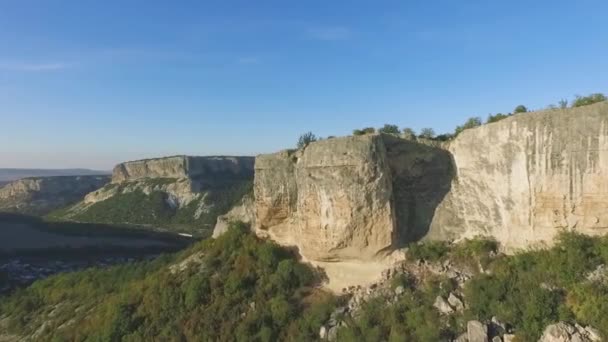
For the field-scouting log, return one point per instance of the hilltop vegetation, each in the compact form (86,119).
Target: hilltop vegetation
(241,288)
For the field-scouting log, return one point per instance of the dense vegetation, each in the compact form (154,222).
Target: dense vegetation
(244,289)
(154,209)
(247,289)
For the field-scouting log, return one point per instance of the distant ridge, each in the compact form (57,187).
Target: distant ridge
(7,175)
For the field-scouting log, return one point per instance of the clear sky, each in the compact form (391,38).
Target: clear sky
(91,83)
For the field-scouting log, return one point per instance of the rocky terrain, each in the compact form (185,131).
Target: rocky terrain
(521,180)
(40,195)
(179,193)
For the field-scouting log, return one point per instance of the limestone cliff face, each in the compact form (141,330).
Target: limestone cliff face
(520,180)
(40,195)
(332,200)
(525,178)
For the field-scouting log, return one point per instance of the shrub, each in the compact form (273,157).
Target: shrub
(470,123)
(520,109)
(580,101)
(429,250)
(389,129)
(366,130)
(497,117)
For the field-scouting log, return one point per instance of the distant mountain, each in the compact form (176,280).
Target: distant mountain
(7,175)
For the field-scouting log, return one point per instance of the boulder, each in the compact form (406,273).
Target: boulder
(477,331)
(455,302)
(442,305)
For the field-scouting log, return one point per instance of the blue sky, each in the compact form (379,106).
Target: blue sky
(92,83)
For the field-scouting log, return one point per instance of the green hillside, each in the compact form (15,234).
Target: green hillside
(241,288)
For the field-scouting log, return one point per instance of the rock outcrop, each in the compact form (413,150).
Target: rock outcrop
(521,180)
(192,191)
(565,332)
(40,195)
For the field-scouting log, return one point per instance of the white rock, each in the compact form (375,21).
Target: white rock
(477,331)
(508,337)
(455,302)
(323,333)
(443,306)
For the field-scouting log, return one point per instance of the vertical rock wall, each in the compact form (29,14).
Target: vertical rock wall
(521,180)
(525,178)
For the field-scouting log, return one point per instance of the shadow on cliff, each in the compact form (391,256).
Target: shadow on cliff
(422,176)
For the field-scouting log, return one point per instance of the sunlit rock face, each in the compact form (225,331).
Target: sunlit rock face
(521,180)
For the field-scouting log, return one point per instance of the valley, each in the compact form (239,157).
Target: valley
(33,249)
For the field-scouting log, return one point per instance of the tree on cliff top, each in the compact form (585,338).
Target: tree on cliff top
(366,130)
(471,123)
(306,139)
(389,129)
(520,109)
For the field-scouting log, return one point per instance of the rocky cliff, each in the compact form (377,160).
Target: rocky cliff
(182,193)
(526,178)
(40,195)
(520,180)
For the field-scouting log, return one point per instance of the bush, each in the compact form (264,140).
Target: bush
(580,101)
(520,109)
(389,129)
(429,250)
(470,123)
(306,139)
(367,130)
(409,134)
(497,117)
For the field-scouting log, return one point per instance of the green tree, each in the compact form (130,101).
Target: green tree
(409,134)
(389,129)
(470,123)
(580,101)
(520,109)
(427,133)
(563,103)
(496,117)
(306,139)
